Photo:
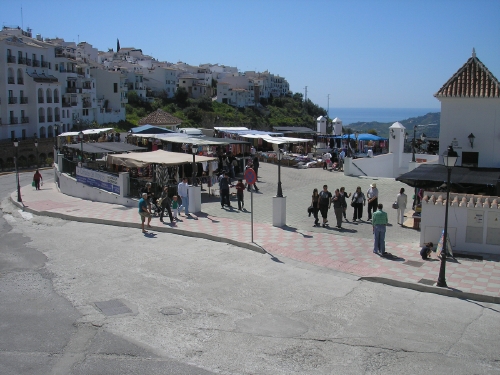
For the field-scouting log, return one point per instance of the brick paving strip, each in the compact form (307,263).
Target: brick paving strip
(466,279)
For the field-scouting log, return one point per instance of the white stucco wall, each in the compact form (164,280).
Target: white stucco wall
(473,226)
(480,116)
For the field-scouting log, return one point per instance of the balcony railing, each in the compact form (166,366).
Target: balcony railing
(28,62)
(56,99)
(57,118)
(45,64)
(49,99)
(23,99)
(65,104)
(25,120)
(41,118)
(87,87)
(40,99)
(12,100)
(36,63)
(11,80)
(87,105)
(20,81)
(22,60)
(73,90)
(13,120)
(74,104)
(50,119)
(11,59)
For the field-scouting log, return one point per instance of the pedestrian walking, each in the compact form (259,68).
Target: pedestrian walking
(338,207)
(341,160)
(372,195)
(165,203)
(325,202)
(175,207)
(326,160)
(224,186)
(256,164)
(344,197)
(240,188)
(144,211)
(37,178)
(315,206)
(182,191)
(379,224)
(357,202)
(401,200)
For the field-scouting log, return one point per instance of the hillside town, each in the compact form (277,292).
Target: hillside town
(51,86)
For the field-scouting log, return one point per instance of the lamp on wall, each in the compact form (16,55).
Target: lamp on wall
(471,140)
(423,137)
(392,134)
(406,136)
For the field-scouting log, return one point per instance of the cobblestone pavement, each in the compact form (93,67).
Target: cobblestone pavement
(348,250)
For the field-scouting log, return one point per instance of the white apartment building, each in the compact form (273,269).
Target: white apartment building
(470,105)
(46,86)
(162,78)
(111,94)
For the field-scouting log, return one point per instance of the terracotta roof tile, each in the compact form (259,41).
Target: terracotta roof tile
(159,117)
(472,80)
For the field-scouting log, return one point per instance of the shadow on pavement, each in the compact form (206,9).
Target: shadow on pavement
(293,229)
(393,257)
(206,216)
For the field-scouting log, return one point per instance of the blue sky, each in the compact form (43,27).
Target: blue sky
(364,53)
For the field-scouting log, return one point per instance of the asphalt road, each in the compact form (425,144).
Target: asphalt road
(82,298)
(41,331)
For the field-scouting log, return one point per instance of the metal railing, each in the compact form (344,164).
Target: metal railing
(12,100)
(45,64)
(40,99)
(23,99)
(22,60)
(56,100)
(13,121)
(69,167)
(57,118)
(28,62)
(49,119)
(25,120)
(49,99)
(11,80)
(36,63)
(41,118)
(11,59)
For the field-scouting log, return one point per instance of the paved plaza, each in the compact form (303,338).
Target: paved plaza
(348,250)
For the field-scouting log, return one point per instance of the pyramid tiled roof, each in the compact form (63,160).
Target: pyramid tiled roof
(160,117)
(472,80)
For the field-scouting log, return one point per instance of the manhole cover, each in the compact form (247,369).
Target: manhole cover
(112,307)
(171,311)
(413,263)
(427,282)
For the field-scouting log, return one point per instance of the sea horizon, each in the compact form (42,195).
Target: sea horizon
(357,114)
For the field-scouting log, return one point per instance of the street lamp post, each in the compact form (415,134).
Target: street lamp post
(80,135)
(19,199)
(279,155)
(36,147)
(449,160)
(357,136)
(194,150)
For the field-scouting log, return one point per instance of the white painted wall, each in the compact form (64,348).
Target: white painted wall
(462,116)
(463,222)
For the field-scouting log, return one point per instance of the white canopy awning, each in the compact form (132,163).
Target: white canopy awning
(139,159)
(281,140)
(86,131)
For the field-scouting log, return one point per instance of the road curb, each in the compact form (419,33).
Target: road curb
(181,232)
(433,289)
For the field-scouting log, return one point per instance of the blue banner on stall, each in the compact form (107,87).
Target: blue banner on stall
(98,180)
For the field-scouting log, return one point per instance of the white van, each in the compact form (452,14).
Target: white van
(192,132)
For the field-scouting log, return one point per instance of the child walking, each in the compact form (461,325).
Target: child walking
(240,187)
(175,207)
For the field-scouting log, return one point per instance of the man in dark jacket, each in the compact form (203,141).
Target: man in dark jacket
(224,185)
(256,167)
(165,204)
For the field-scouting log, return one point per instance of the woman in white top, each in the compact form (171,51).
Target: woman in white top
(402,199)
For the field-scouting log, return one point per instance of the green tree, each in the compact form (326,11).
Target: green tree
(372,131)
(181,97)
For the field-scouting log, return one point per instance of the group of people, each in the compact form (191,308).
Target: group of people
(173,205)
(322,201)
(225,184)
(329,161)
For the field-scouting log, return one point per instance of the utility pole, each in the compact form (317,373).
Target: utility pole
(305,96)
